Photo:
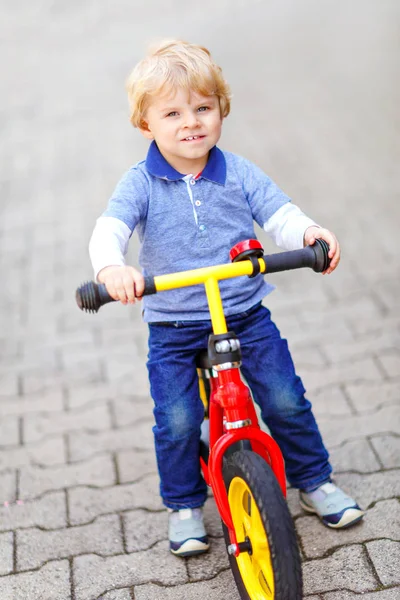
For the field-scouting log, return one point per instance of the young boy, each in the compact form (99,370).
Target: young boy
(190,203)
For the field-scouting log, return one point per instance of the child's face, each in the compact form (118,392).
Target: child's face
(185,127)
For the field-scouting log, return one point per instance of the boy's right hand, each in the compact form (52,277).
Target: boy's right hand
(125,284)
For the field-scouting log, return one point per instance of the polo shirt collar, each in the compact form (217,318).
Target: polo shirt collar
(215,169)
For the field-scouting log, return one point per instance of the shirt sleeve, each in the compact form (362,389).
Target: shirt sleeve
(126,208)
(287,227)
(129,201)
(273,210)
(108,244)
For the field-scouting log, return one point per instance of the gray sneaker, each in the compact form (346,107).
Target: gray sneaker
(187,535)
(333,506)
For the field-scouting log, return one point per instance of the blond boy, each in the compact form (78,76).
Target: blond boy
(190,203)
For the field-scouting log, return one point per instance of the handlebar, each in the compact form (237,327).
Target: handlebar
(90,296)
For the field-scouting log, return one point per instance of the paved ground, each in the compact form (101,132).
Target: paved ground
(316,97)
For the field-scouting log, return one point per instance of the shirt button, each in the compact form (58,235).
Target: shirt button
(192,182)
(198,203)
(202,227)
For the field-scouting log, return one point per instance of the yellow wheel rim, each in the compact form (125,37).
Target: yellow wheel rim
(256,568)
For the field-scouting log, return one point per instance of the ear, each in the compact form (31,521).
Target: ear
(144,130)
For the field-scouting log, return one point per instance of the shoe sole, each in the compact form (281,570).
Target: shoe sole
(350,517)
(191,548)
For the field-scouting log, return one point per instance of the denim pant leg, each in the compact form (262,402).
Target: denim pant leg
(178,411)
(269,371)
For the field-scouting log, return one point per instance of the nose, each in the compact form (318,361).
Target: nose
(191,119)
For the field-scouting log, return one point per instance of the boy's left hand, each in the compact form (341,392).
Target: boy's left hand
(319,233)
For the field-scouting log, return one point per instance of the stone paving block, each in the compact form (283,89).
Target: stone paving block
(35,547)
(221,587)
(329,401)
(121,366)
(347,309)
(370,487)
(85,444)
(289,298)
(391,364)
(390,594)
(347,568)
(49,452)
(315,334)
(8,487)
(389,293)
(87,503)
(212,519)
(119,336)
(134,382)
(133,409)
(336,430)
(385,554)
(95,418)
(6,553)
(37,358)
(368,397)
(304,356)
(81,395)
(123,594)
(21,405)
(9,384)
(49,512)
(51,582)
(356,455)
(338,352)
(82,352)
(35,481)
(360,370)
(292,499)
(318,539)
(61,341)
(9,348)
(364,328)
(143,529)
(38,380)
(9,432)
(94,575)
(208,565)
(133,464)
(388,449)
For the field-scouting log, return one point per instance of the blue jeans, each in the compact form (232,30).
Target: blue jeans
(269,371)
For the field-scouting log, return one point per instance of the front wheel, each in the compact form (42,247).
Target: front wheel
(270,567)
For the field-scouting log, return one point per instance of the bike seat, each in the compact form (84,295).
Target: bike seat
(202,360)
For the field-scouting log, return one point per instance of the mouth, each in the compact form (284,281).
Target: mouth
(193,138)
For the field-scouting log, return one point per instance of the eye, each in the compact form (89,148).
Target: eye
(173,113)
(202,108)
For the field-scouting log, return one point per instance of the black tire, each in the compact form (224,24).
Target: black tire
(276,521)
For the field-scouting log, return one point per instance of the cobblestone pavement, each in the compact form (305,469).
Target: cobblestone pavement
(316,97)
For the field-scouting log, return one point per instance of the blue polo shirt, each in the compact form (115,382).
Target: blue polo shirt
(185,222)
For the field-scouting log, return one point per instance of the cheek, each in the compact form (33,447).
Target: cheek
(217,125)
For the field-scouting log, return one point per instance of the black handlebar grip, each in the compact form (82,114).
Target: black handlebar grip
(90,296)
(322,260)
(316,257)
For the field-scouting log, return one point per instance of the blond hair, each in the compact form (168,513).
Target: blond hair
(171,65)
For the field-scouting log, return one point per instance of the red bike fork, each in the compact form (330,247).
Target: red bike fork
(233,419)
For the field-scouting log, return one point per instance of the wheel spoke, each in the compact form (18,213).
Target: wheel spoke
(265,579)
(248,523)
